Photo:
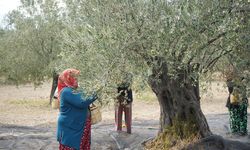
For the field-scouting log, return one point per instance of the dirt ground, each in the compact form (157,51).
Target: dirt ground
(27,122)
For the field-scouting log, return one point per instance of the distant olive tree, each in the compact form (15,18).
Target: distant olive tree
(31,42)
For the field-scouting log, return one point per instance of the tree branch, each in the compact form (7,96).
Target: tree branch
(213,62)
(212,40)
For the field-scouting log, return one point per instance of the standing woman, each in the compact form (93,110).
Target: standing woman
(74,122)
(237,104)
(124,103)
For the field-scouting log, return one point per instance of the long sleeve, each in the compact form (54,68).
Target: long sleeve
(76,99)
(72,117)
(130,95)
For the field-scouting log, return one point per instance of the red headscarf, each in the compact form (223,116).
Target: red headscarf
(68,78)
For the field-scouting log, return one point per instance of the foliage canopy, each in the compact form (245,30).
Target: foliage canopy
(106,39)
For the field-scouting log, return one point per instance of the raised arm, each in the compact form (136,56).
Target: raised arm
(76,99)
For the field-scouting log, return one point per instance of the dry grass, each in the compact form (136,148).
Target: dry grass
(176,137)
(27,112)
(36,103)
(168,143)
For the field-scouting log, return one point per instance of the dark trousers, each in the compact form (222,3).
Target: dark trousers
(127,109)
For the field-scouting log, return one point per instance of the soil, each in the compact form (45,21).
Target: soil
(27,122)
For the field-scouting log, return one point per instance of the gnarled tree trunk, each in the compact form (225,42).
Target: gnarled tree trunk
(178,98)
(53,86)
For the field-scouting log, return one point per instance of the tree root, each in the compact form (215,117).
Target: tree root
(216,142)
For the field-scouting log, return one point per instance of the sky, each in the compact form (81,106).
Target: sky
(6,6)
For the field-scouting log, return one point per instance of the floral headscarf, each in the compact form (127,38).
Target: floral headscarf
(68,78)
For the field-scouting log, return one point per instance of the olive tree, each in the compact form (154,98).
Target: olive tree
(31,41)
(176,40)
(31,44)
